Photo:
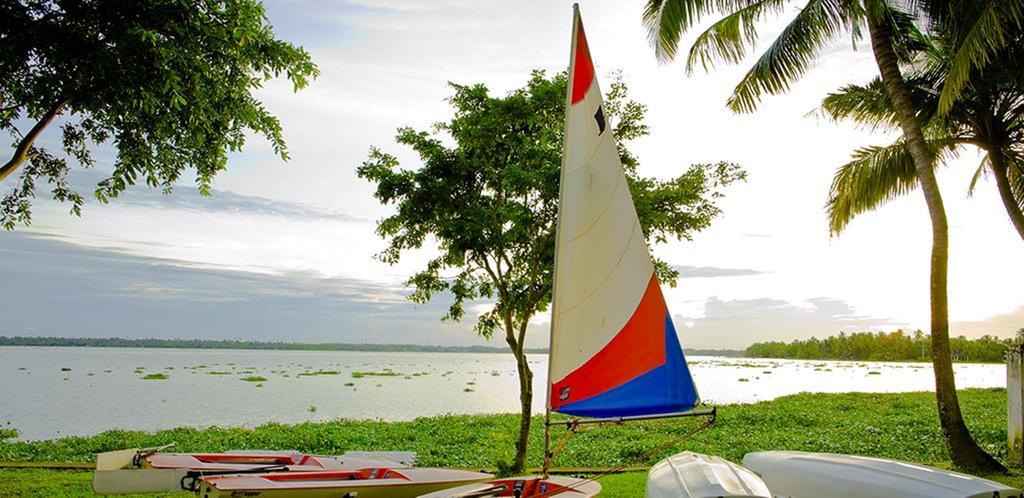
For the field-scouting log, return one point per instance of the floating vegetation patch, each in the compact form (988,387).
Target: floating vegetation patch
(156,376)
(385,373)
(319,372)
(744,379)
(254,378)
(874,372)
(350,384)
(219,372)
(312,409)
(8,433)
(468,390)
(65,369)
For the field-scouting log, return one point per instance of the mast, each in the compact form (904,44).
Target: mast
(558,223)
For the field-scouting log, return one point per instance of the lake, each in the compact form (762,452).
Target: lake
(48,392)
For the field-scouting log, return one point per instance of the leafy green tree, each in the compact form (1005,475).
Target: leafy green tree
(486,195)
(170,83)
(989,115)
(881,346)
(892,35)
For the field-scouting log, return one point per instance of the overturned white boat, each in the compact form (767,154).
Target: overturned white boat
(152,470)
(693,475)
(797,474)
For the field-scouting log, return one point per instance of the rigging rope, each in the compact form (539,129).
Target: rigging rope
(672,442)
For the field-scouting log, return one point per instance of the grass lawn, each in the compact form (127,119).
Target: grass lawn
(902,426)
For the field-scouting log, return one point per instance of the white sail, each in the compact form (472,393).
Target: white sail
(613,346)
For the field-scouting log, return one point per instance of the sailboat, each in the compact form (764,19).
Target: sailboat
(614,353)
(154,470)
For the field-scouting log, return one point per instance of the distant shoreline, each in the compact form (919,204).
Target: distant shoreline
(116,342)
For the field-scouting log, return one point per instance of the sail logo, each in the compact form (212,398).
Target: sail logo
(599,117)
(563,393)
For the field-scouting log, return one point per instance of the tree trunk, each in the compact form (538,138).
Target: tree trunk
(963,450)
(998,163)
(526,405)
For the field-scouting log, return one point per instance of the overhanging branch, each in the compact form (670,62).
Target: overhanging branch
(21,152)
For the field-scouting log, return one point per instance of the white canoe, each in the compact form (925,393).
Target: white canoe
(693,475)
(796,474)
(153,471)
(366,483)
(524,487)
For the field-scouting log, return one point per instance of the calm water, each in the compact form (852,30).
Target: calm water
(104,388)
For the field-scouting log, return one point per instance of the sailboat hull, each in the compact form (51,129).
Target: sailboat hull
(528,486)
(368,483)
(145,471)
(796,474)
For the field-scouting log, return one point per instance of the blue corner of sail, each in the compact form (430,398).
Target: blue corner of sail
(667,388)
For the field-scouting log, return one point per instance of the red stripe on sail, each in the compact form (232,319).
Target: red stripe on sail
(583,72)
(638,348)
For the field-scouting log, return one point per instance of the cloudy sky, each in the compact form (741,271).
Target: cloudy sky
(283,251)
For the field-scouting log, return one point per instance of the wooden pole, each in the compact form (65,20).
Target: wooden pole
(1015,404)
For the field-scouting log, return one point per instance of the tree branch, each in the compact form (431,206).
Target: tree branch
(21,152)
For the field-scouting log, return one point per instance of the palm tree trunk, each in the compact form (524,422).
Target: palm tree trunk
(963,450)
(998,163)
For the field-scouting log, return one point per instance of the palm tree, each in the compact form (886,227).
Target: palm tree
(988,115)
(817,24)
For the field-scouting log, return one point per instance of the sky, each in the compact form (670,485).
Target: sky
(284,251)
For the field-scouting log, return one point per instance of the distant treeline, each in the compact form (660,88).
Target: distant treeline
(236,344)
(883,346)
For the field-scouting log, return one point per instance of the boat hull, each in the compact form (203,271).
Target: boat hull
(367,483)
(794,474)
(693,475)
(564,487)
(142,471)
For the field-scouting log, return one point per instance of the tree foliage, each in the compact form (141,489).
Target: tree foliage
(169,83)
(486,196)
(490,202)
(989,114)
(882,346)
(892,28)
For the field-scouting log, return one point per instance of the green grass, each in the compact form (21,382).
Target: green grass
(902,426)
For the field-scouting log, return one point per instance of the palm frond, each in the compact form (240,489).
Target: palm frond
(981,43)
(667,20)
(875,176)
(792,53)
(864,104)
(1015,173)
(979,173)
(729,38)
